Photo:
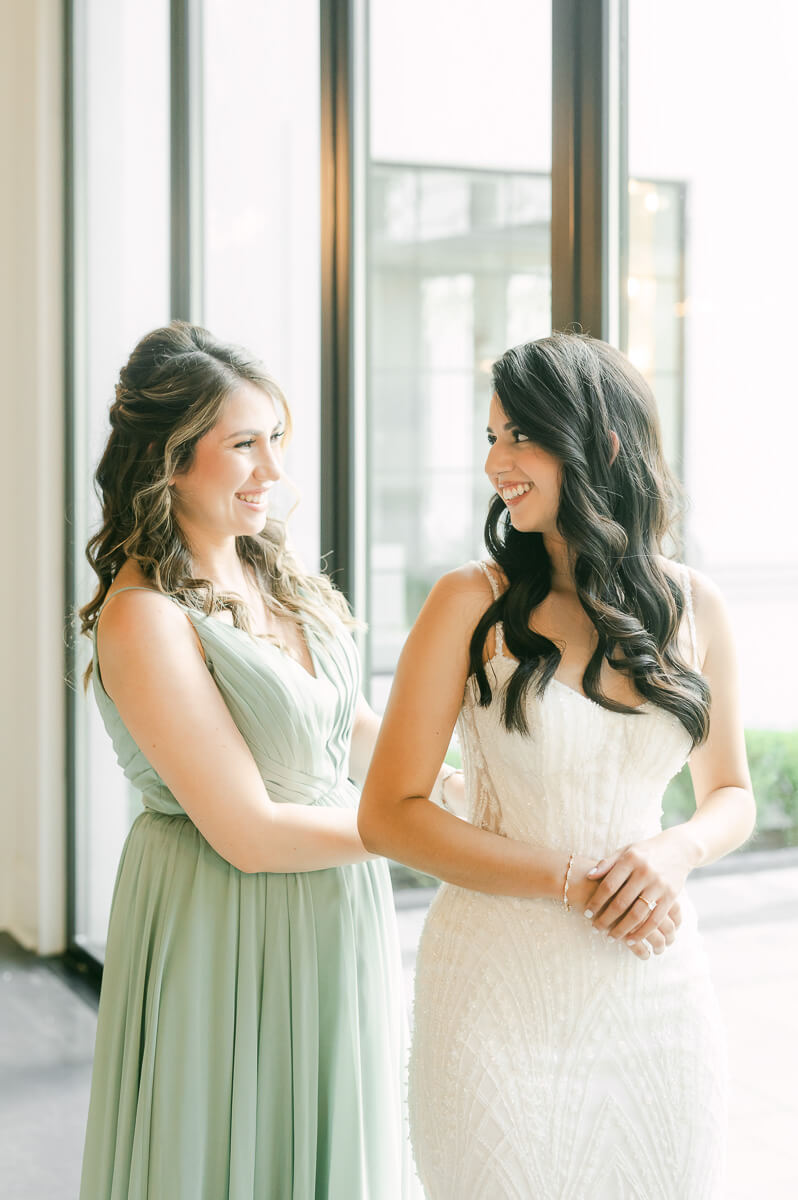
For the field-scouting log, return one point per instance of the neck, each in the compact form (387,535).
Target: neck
(217,559)
(561,558)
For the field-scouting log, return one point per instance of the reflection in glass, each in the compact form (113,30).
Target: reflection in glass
(458,270)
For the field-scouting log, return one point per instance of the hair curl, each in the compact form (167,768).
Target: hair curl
(568,393)
(170,393)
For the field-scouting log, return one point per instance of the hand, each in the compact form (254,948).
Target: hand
(659,939)
(651,870)
(581,889)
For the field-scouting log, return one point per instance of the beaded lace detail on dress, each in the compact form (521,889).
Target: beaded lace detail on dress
(547,1060)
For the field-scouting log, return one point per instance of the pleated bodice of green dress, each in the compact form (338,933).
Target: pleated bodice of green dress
(250,1031)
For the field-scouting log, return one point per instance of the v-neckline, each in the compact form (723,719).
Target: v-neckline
(317,675)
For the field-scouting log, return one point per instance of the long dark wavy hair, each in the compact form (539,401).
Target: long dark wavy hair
(170,393)
(568,393)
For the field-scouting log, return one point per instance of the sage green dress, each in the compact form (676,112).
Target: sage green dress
(250,1029)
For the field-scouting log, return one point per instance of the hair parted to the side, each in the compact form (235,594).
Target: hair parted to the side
(170,393)
(567,393)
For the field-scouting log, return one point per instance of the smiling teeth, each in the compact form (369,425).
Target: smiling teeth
(511,493)
(252,497)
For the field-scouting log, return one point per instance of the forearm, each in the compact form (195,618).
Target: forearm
(429,839)
(364,739)
(305,837)
(724,820)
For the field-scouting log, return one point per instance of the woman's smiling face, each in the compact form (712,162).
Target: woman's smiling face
(224,493)
(525,475)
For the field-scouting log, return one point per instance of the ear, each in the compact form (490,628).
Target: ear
(616,445)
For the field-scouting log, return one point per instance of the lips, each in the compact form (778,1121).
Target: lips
(254,499)
(513,491)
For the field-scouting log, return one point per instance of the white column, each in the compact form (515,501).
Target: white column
(32,759)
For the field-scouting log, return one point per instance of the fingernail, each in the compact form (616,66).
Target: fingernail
(588,913)
(631,943)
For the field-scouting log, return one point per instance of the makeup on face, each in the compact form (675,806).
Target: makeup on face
(225,491)
(526,476)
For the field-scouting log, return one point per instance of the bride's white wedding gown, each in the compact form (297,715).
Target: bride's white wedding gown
(548,1062)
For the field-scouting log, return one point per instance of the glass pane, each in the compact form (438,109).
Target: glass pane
(713,253)
(458,269)
(261,154)
(121,185)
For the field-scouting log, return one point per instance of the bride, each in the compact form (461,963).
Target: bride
(553,1055)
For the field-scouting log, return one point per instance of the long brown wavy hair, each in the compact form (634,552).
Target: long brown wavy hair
(567,393)
(170,393)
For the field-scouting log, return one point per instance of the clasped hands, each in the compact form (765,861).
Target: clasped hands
(632,895)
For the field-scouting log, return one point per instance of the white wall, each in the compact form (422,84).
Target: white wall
(32,800)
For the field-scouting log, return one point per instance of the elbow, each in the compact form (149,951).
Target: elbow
(245,861)
(368,830)
(373,822)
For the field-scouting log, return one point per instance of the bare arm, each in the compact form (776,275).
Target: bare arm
(725,808)
(397,817)
(152,668)
(365,731)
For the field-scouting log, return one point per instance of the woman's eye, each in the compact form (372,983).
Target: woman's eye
(491,439)
(278,435)
(250,442)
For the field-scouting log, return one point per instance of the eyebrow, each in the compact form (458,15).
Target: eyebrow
(509,425)
(251,432)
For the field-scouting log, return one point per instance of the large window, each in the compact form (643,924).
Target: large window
(252,254)
(458,268)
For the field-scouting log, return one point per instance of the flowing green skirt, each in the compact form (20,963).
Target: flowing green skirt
(250,1032)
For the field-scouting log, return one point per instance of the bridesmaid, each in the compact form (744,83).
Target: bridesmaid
(249,1041)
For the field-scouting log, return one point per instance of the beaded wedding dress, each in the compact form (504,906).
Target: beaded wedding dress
(548,1062)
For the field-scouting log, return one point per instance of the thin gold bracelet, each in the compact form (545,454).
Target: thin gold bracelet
(565,883)
(451,771)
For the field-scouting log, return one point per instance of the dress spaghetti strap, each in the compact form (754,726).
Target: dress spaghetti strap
(134,587)
(688,603)
(131,588)
(494,587)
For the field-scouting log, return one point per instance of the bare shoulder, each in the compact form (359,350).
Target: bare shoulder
(706,594)
(709,608)
(137,611)
(140,632)
(465,592)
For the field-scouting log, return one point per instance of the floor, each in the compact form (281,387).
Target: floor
(750,923)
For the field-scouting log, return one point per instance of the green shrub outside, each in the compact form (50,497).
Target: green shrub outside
(773,759)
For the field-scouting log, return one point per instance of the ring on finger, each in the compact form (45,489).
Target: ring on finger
(652,904)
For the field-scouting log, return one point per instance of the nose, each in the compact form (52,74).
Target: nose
(499,460)
(269,467)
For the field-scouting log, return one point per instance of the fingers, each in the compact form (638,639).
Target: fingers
(656,941)
(619,905)
(640,950)
(601,868)
(637,917)
(612,882)
(659,939)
